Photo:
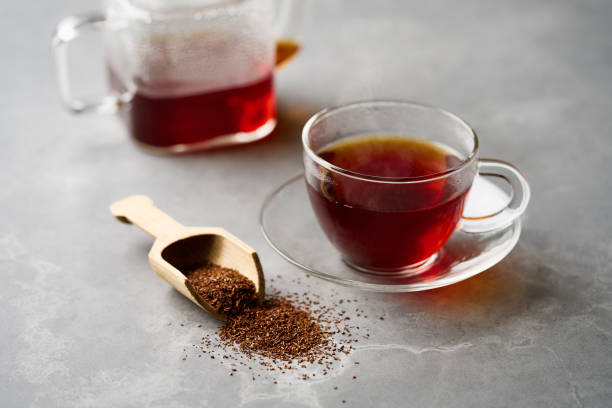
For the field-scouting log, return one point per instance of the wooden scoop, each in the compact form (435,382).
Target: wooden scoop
(177,248)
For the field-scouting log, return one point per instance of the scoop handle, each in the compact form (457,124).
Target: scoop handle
(140,211)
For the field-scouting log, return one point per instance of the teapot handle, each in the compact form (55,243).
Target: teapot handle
(68,30)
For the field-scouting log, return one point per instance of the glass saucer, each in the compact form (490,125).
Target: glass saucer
(290,227)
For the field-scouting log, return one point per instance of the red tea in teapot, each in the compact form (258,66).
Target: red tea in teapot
(200,117)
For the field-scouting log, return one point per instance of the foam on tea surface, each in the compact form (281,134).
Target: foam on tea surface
(389,156)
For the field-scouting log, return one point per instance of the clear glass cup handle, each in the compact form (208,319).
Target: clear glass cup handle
(515,208)
(66,31)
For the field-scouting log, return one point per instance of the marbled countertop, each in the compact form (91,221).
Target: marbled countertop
(85,321)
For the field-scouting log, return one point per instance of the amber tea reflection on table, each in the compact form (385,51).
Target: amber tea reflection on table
(388,225)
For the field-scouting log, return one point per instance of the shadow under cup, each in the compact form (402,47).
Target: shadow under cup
(389,225)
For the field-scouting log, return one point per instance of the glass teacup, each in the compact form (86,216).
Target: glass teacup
(388,181)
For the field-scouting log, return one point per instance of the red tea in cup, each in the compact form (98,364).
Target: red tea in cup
(387,225)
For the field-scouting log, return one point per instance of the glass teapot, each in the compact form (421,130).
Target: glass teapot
(184,75)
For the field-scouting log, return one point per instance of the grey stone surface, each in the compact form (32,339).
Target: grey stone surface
(85,321)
